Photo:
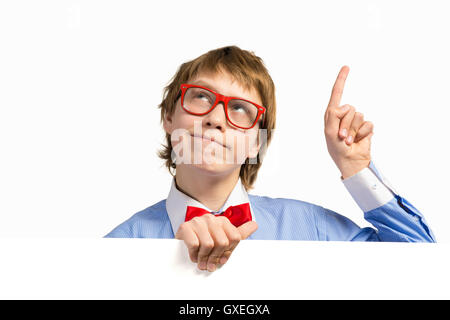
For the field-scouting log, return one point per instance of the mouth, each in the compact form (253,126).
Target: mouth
(211,139)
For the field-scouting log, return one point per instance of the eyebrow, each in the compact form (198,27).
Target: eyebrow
(205,84)
(210,86)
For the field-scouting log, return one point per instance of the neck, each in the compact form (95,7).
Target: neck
(211,191)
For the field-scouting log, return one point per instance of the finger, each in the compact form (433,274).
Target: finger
(234,237)
(225,257)
(346,122)
(333,118)
(366,142)
(365,130)
(247,229)
(221,242)
(206,242)
(338,87)
(187,234)
(357,122)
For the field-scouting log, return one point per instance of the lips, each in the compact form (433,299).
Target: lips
(212,139)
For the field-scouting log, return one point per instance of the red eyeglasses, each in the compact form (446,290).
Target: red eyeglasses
(200,100)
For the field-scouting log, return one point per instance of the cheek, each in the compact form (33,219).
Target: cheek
(250,138)
(184,121)
(244,143)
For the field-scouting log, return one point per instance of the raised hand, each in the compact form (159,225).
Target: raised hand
(347,135)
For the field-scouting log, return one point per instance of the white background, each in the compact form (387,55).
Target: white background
(80,82)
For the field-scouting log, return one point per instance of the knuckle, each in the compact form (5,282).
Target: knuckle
(222,219)
(202,257)
(192,244)
(349,113)
(193,259)
(198,221)
(208,244)
(222,243)
(206,217)
(334,112)
(359,115)
(227,253)
(210,219)
(235,238)
(214,259)
(194,220)
(233,244)
(185,226)
(182,230)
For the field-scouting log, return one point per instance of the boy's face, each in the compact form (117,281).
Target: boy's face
(231,145)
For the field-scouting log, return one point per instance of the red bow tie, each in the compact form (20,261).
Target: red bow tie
(237,215)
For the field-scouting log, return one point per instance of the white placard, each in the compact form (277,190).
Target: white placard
(258,269)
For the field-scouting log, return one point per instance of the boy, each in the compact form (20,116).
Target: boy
(222,105)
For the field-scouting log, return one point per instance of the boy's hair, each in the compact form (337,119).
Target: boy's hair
(250,72)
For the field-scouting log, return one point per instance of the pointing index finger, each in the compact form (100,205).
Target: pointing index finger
(338,88)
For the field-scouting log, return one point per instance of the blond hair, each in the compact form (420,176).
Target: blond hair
(250,72)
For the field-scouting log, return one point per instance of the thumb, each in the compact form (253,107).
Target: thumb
(247,229)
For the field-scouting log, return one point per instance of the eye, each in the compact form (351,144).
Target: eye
(201,95)
(239,108)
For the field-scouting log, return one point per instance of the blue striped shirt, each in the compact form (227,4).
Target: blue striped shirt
(393,218)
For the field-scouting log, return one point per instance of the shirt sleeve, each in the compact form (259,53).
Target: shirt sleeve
(121,231)
(394,218)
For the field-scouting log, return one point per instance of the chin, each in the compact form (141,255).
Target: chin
(216,168)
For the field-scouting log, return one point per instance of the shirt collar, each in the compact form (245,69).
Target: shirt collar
(177,203)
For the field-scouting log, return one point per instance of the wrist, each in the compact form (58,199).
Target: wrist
(349,169)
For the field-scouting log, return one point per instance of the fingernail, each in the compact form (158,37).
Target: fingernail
(202,265)
(344,132)
(211,267)
(350,139)
(223,260)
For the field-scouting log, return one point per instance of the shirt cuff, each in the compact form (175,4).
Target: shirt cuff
(368,189)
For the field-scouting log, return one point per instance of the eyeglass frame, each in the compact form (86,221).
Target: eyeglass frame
(220,98)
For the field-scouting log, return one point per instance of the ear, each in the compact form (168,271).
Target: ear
(167,123)
(253,152)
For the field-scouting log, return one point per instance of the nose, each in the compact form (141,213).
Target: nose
(216,119)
